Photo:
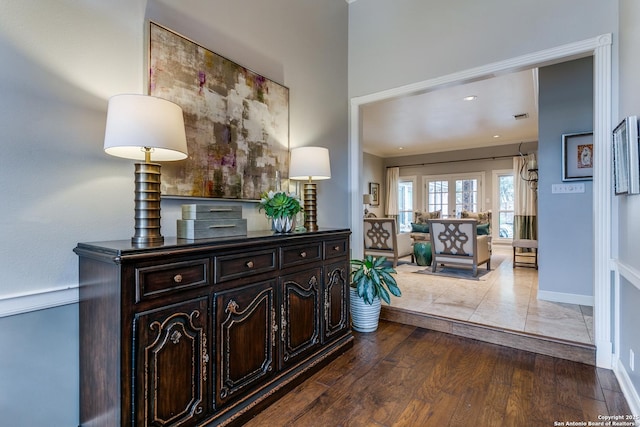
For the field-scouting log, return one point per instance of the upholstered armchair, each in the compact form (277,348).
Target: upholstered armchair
(484,222)
(382,239)
(456,241)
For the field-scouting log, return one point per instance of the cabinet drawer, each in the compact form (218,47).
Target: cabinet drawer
(302,254)
(336,248)
(160,279)
(230,267)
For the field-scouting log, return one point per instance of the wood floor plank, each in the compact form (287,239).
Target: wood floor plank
(288,410)
(567,390)
(518,410)
(592,409)
(406,376)
(544,401)
(493,412)
(607,379)
(588,382)
(414,414)
(616,403)
(442,410)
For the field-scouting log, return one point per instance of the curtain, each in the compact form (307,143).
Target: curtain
(525,221)
(393,177)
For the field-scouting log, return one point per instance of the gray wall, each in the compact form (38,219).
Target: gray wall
(565,221)
(39,368)
(373,170)
(629,206)
(394,43)
(61,61)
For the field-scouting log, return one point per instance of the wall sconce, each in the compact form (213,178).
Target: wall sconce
(529,169)
(310,164)
(138,126)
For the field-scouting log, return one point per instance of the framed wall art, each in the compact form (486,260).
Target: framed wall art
(374,190)
(577,156)
(626,162)
(236,121)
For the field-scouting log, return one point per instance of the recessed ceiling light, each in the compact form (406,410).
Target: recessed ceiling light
(496,136)
(400,148)
(470,98)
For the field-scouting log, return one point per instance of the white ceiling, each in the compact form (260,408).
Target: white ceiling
(441,120)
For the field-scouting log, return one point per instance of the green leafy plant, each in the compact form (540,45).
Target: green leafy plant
(279,205)
(371,279)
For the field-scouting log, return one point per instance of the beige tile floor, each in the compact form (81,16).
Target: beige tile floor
(504,298)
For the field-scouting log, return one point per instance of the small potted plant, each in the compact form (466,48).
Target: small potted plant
(370,282)
(282,208)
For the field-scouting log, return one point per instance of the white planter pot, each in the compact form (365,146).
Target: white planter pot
(284,224)
(364,317)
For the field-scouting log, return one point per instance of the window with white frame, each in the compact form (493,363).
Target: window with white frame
(438,196)
(504,204)
(466,193)
(406,200)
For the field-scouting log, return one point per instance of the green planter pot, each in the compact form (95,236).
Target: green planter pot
(422,253)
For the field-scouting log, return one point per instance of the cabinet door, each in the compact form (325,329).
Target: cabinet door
(171,360)
(299,314)
(246,327)
(336,300)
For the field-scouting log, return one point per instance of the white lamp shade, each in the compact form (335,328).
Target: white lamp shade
(309,163)
(137,121)
(367,199)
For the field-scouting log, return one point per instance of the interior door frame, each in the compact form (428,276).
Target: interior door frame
(600,48)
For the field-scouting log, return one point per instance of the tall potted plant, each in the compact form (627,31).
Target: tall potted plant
(370,282)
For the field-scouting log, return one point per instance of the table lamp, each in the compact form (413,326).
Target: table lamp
(310,164)
(367,200)
(139,126)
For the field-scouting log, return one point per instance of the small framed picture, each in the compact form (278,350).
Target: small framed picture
(577,156)
(374,190)
(626,165)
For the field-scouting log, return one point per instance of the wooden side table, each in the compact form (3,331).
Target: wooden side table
(525,244)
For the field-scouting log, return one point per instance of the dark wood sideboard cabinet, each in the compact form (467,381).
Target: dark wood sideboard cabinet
(207,332)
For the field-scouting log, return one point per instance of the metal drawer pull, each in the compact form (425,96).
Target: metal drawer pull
(249,264)
(222,226)
(177,278)
(336,248)
(303,254)
(220,210)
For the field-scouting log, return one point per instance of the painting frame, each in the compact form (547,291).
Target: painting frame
(626,162)
(374,190)
(236,121)
(577,156)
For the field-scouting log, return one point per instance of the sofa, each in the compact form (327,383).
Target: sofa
(420,225)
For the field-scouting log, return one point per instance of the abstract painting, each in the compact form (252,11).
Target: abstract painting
(236,121)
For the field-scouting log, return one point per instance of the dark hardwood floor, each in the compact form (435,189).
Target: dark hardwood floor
(407,376)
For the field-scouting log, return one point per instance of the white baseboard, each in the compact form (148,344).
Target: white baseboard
(565,298)
(629,391)
(11,305)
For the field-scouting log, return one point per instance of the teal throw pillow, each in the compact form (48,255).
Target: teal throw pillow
(483,229)
(419,228)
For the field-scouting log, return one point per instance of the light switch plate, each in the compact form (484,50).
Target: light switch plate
(576,187)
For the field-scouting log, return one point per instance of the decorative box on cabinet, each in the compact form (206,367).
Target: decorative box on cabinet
(207,332)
